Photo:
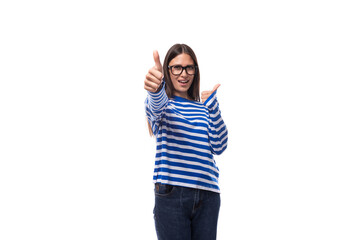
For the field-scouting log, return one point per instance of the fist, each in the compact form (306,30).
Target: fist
(154,76)
(206,94)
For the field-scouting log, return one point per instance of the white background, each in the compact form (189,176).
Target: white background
(76,161)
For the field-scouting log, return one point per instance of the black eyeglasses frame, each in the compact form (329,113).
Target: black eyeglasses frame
(170,67)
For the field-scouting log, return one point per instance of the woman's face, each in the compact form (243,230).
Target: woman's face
(183,81)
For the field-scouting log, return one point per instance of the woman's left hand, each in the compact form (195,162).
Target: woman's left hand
(206,94)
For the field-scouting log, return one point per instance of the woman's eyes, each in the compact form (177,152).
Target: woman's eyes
(179,67)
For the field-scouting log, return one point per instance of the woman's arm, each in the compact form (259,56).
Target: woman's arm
(157,99)
(155,104)
(218,134)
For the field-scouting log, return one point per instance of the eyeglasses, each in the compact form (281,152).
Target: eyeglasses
(178,69)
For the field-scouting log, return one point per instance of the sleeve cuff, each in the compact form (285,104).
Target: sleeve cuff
(211,101)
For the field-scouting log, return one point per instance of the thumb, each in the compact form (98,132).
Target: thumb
(157,61)
(216,87)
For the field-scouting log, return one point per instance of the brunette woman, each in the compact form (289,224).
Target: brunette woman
(189,131)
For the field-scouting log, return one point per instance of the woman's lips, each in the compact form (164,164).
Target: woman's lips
(183,82)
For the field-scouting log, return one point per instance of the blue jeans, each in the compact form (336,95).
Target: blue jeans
(183,213)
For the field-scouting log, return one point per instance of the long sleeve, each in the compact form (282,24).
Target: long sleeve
(218,134)
(155,104)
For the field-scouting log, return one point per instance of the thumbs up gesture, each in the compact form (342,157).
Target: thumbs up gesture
(154,76)
(206,94)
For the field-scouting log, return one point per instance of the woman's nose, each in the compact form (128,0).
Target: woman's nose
(184,73)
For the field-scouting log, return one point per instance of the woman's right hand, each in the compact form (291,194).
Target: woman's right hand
(154,76)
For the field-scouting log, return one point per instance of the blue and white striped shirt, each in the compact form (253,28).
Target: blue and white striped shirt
(188,133)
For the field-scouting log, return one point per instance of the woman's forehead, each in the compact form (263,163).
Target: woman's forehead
(182,59)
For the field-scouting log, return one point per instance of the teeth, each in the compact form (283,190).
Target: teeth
(183,81)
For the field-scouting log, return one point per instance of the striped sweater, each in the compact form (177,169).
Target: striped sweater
(188,134)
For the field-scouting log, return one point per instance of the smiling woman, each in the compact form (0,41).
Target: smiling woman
(188,133)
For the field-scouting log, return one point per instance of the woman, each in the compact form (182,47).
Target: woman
(188,133)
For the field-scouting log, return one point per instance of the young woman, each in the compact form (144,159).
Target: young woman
(188,133)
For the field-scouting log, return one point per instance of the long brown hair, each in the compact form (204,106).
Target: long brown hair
(194,90)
